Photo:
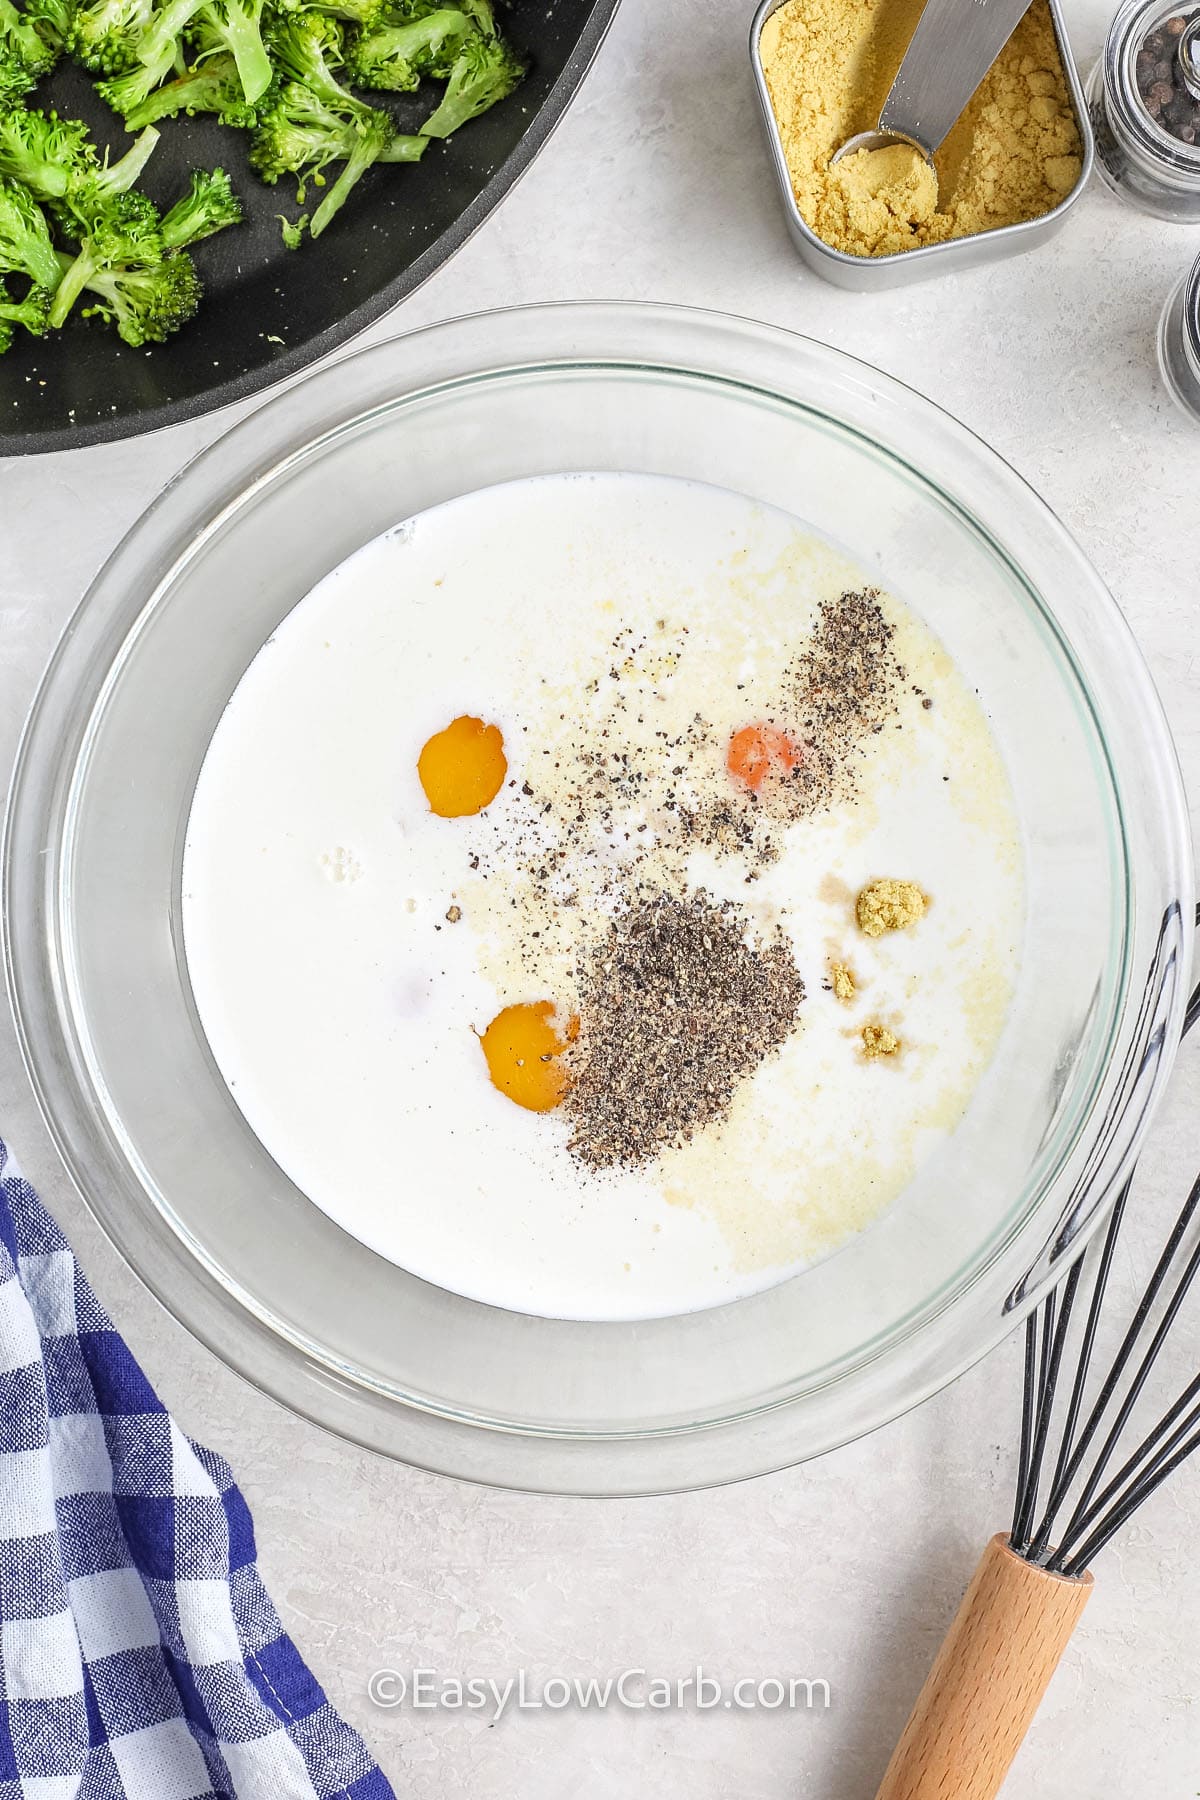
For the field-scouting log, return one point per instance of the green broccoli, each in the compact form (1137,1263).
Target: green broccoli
(238,24)
(232,27)
(44,152)
(33,313)
(91,189)
(405,148)
(292,230)
(25,245)
(104,34)
(147,302)
(209,205)
(305,47)
(128,93)
(126,234)
(23,44)
(350,12)
(15,80)
(166,26)
(485,70)
(212,86)
(394,57)
(301,135)
(53,19)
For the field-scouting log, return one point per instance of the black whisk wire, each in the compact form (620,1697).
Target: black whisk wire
(1103,1503)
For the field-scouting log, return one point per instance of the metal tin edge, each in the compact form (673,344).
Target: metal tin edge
(867,273)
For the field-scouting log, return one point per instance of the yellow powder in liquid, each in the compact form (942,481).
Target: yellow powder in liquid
(1013,155)
(878,1040)
(889,905)
(842,982)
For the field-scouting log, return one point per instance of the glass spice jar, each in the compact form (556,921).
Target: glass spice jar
(1179,343)
(1145,109)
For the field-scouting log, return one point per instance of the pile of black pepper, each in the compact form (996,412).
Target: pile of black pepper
(838,694)
(1160,82)
(676,1008)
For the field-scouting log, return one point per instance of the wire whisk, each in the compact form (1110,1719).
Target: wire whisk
(1076,1487)
(1084,1506)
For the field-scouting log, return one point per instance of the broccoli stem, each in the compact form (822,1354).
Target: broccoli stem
(205,88)
(119,177)
(77,271)
(170,21)
(249,53)
(404,148)
(367,150)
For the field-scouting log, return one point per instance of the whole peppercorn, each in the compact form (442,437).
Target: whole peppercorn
(1160,80)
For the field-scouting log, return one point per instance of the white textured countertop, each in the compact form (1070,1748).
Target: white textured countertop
(657,187)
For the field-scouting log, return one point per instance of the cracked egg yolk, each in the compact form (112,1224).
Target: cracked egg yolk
(757,751)
(462,768)
(523,1046)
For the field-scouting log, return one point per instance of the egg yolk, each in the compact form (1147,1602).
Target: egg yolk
(757,749)
(462,768)
(522,1047)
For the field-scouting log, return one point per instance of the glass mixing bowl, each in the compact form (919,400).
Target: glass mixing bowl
(146,1124)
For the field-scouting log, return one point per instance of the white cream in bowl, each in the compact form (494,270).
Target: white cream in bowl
(347,947)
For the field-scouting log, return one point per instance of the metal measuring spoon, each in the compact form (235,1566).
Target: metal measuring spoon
(955,44)
(1188,57)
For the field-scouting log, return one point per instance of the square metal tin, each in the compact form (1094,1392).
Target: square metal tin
(868,274)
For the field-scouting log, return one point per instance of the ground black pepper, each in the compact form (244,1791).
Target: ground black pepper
(842,689)
(676,1008)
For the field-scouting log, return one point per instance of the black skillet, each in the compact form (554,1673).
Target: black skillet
(269,311)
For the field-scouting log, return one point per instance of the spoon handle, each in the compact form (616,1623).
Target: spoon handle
(955,44)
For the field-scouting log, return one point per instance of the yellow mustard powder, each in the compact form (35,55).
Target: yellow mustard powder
(877,1040)
(888,905)
(1013,155)
(841,981)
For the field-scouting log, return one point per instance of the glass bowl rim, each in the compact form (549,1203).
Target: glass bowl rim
(224,479)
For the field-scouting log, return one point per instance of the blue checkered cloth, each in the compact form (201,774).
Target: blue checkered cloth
(140,1656)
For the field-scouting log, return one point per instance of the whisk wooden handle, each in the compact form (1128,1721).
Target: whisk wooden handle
(987,1682)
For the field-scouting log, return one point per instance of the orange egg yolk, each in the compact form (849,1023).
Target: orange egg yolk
(462,768)
(756,750)
(523,1046)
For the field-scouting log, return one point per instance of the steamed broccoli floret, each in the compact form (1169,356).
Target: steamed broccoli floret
(165,28)
(23,44)
(128,93)
(91,190)
(213,86)
(44,152)
(218,26)
(209,205)
(25,246)
(238,26)
(485,70)
(352,12)
(33,313)
(15,80)
(104,34)
(394,57)
(300,135)
(223,26)
(126,234)
(147,303)
(306,48)
(53,19)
